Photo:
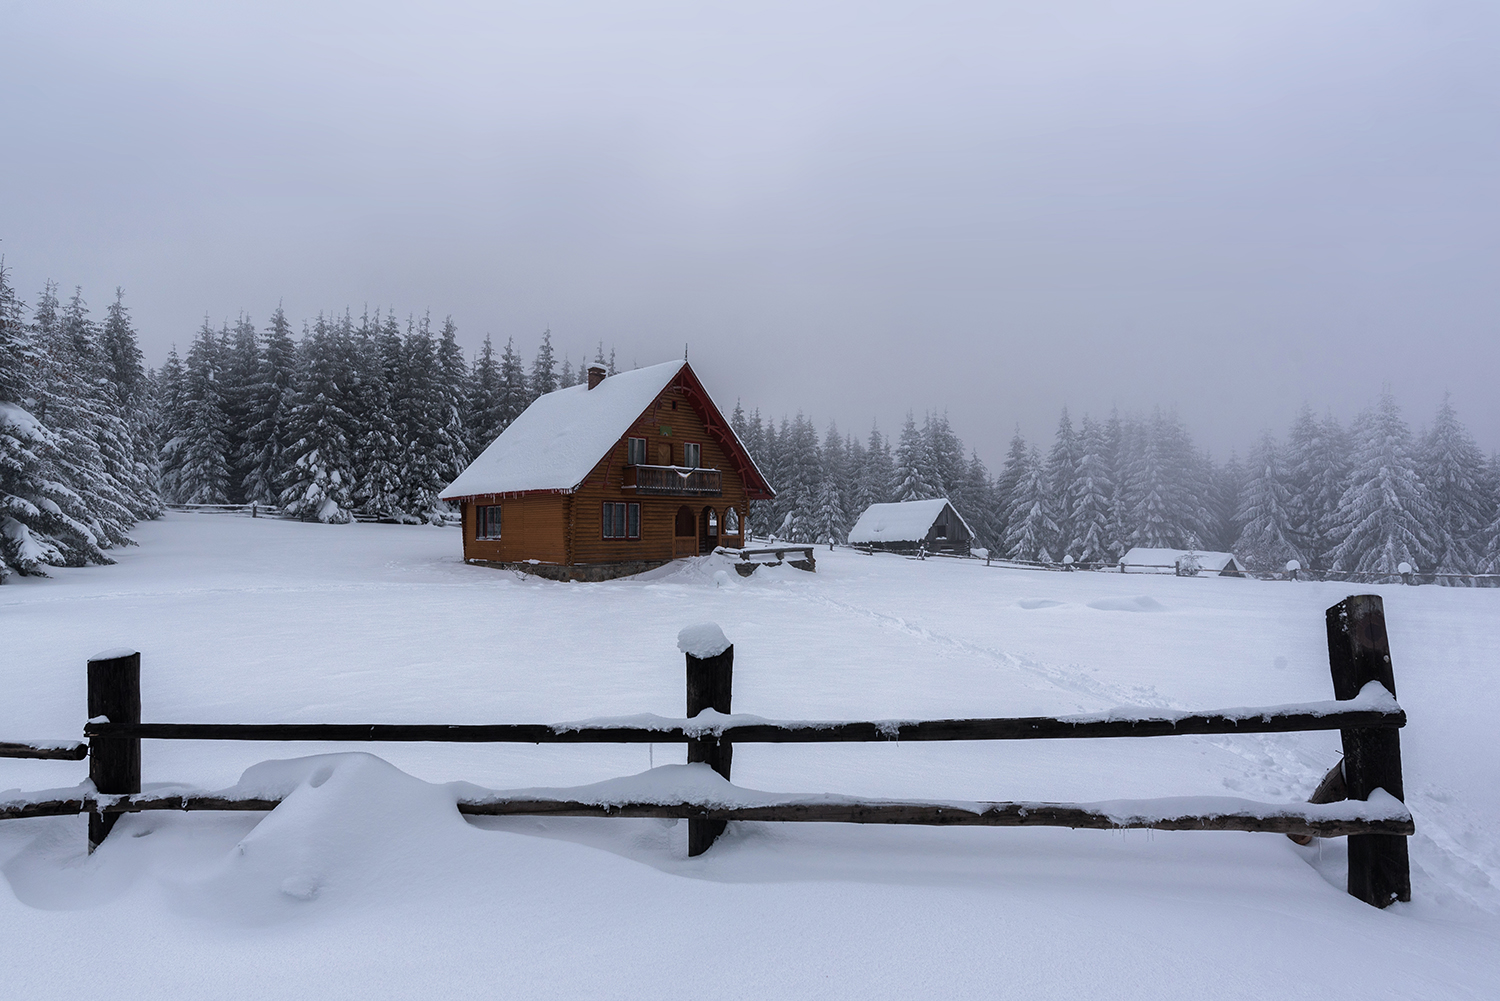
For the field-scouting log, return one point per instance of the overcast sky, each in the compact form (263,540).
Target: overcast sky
(852,209)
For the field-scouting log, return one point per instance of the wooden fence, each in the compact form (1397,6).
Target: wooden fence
(1364,710)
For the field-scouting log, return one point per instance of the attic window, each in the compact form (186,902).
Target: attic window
(692,455)
(940,532)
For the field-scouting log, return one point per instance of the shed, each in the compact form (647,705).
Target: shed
(907,526)
(608,478)
(1181,562)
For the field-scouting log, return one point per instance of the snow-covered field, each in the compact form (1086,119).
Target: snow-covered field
(367,884)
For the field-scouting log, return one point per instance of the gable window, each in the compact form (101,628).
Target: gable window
(487,521)
(731,522)
(635,451)
(622,521)
(940,531)
(692,454)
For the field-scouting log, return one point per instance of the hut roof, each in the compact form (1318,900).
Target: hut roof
(1167,558)
(903,521)
(560,438)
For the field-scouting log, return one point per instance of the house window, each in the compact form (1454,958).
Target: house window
(622,521)
(691,455)
(713,524)
(487,521)
(731,522)
(940,532)
(636,451)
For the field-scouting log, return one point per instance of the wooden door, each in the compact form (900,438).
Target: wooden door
(685,533)
(664,453)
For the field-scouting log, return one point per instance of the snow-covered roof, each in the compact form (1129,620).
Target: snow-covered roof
(1163,558)
(561,437)
(903,521)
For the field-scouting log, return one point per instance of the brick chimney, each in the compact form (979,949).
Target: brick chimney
(596,375)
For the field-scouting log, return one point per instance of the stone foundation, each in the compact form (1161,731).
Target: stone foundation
(585,572)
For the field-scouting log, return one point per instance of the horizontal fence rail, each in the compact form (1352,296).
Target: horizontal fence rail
(1375,709)
(55,751)
(1334,820)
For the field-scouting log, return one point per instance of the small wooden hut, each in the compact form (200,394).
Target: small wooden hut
(609,478)
(1183,562)
(909,526)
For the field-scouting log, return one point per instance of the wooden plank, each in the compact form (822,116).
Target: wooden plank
(54,752)
(999,814)
(114,692)
(772,732)
(1359,652)
(710,685)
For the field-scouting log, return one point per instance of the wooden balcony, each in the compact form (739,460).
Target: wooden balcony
(674,481)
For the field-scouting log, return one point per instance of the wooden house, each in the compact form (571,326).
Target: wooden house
(609,478)
(908,526)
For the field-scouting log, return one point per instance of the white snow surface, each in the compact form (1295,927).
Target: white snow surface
(367,883)
(903,521)
(703,640)
(1145,560)
(561,437)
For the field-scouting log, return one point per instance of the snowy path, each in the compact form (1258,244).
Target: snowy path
(369,889)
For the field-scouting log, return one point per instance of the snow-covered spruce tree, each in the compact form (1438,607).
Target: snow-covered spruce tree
(1228,489)
(239,354)
(451,406)
(1093,513)
(1453,470)
(1031,532)
(78,407)
(320,454)
(135,458)
(804,479)
(1318,462)
(378,447)
(267,409)
(762,512)
(914,464)
(1490,561)
(484,395)
(977,500)
(945,455)
(1017,458)
(543,368)
(514,395)
(171,417)
(1063,481)
(199,454)
(831,521)
(419,424)
(878,482)
(27,520)
(1385,514)
(1269,536)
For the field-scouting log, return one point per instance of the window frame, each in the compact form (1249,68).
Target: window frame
(632,519)
(697,462)
(632,446)
(730,513)
(483,522)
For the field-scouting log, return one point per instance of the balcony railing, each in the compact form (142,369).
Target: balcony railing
(674,481)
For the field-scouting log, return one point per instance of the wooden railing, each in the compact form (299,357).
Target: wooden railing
(674,481)
(1364,710)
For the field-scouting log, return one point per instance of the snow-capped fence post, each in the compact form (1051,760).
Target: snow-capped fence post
(114,762)
(710,680)
(1359,652)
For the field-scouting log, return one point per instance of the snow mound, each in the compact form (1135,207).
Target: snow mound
(1029,603)
(349,826)
(703,640)
(1140,603)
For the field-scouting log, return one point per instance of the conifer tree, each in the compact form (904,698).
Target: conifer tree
(1269,536)
(198,454)
(484,399)
(239,378)
(321,433)
(914,464)
(1318,462)
(1016,466)
(1453,470)
(1093,493)
(1063,477)
(130,408)
(268,408)
(543,368)
(1031,531)
(1385,513)
(514,395)
(831,522)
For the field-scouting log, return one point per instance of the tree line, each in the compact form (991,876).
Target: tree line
(376,415)
(1358,499)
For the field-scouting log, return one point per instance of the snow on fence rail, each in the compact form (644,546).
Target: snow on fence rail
(1367,807)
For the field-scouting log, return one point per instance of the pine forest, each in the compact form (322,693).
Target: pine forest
(373,415)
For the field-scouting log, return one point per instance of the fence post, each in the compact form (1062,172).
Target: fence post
(114,762)
(710,680)
(1359,652)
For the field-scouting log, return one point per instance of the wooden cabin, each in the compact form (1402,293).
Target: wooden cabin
(609,478)
(1182,562)
(909,526)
